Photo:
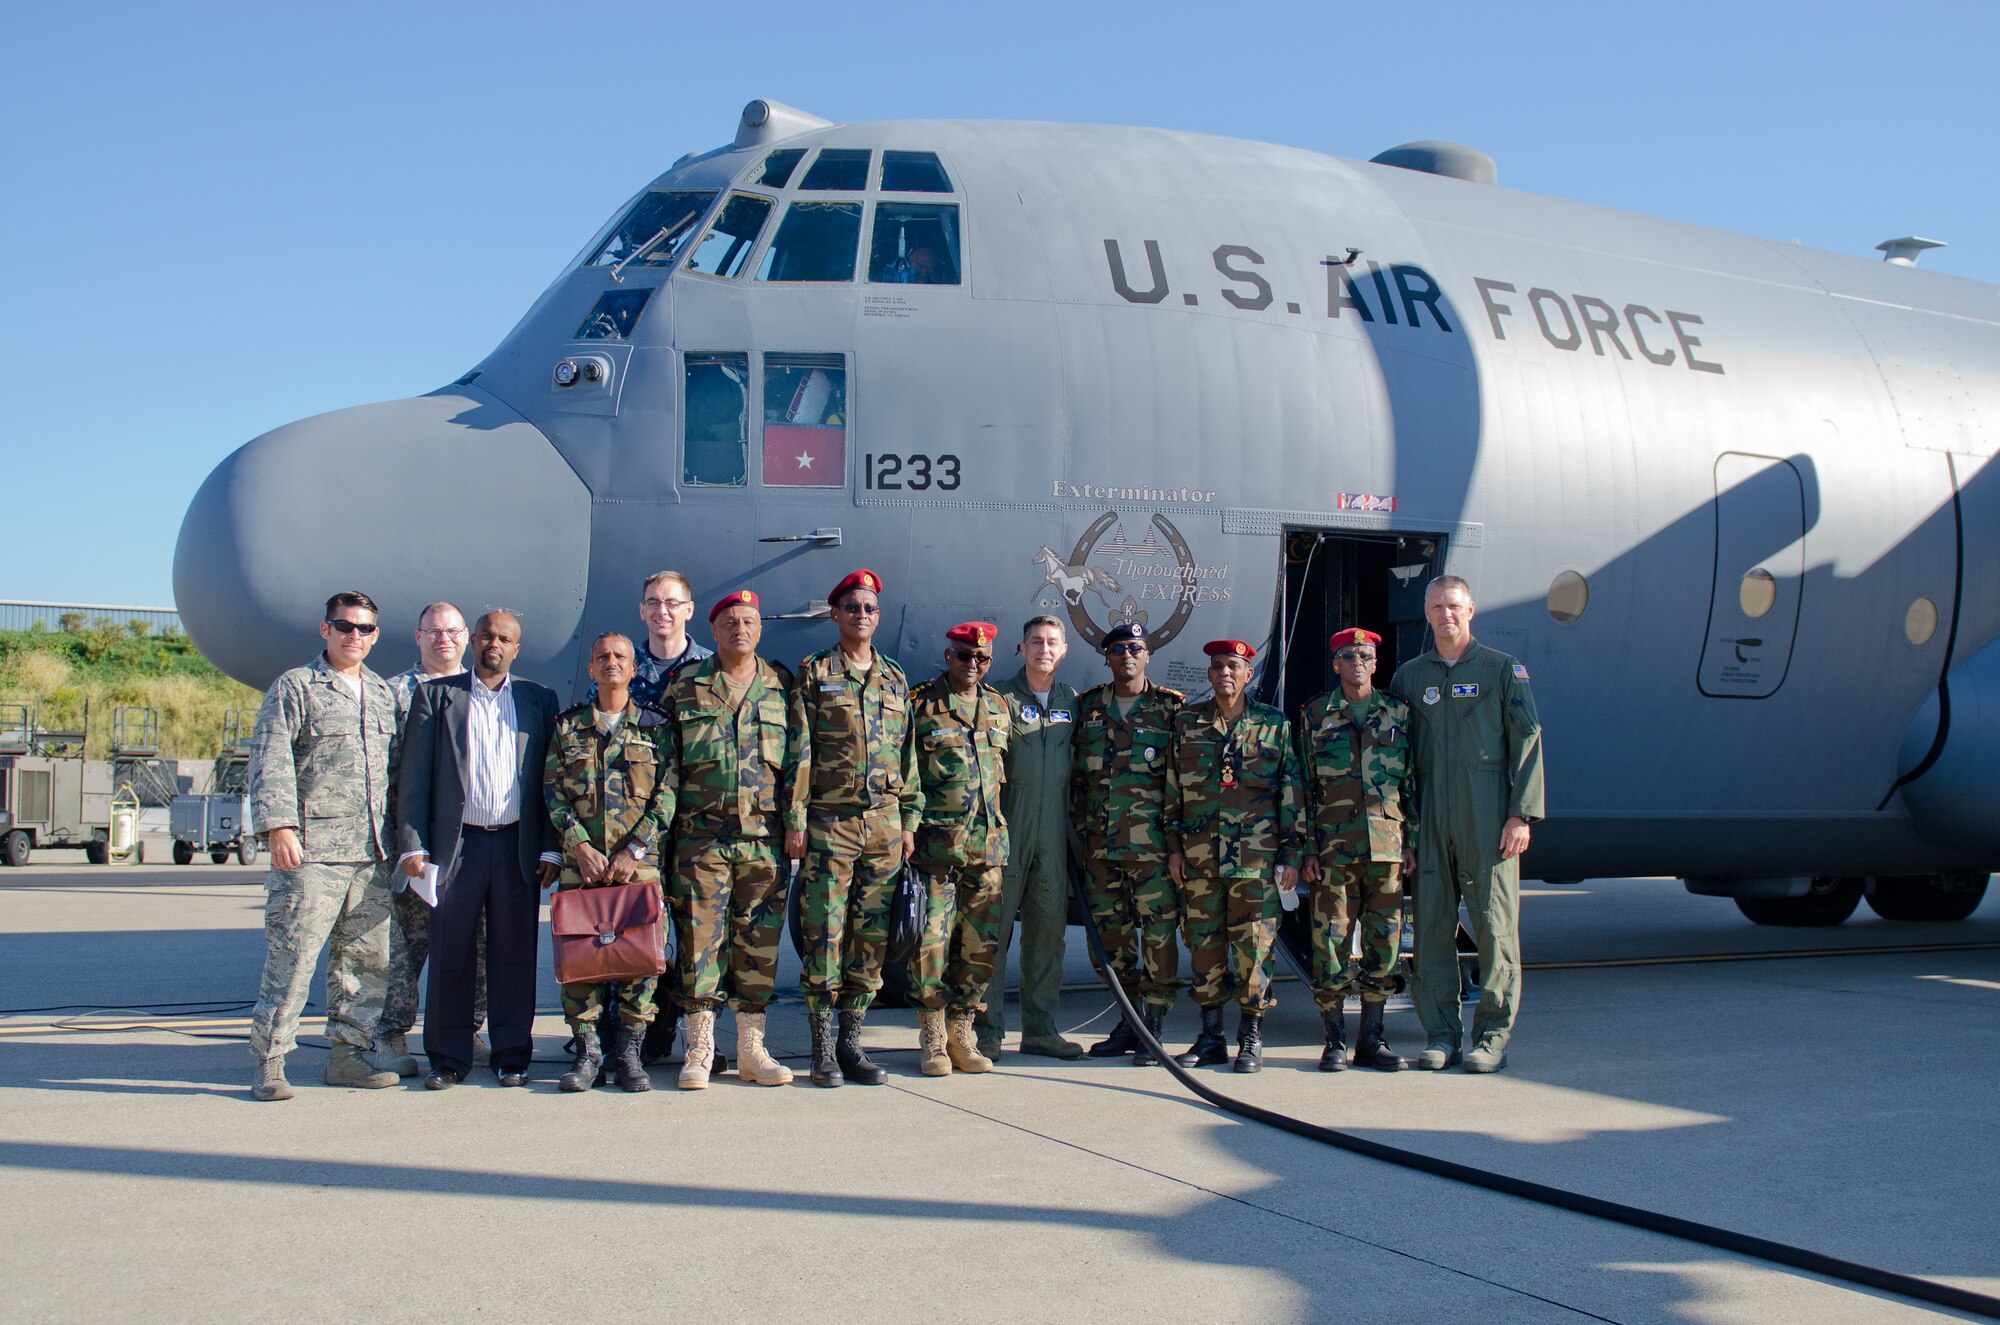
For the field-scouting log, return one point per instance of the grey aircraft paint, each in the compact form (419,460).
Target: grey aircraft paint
(1161,374)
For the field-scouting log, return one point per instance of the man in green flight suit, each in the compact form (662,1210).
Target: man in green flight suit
(1355,746)
(1478,755)
(851,812)
(1233,818)
(1035,884)
(958,728)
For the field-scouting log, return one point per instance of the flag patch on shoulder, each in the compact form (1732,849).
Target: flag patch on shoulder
(1520,671)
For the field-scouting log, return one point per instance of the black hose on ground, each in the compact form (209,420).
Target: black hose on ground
(1742,1244)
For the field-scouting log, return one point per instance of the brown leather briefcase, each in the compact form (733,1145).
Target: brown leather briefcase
(604,934)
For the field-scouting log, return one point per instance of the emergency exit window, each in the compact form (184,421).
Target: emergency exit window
(805,421)
(725,249)
(714,443)
(913,172)
(816,242)
(839,168)
(914,244)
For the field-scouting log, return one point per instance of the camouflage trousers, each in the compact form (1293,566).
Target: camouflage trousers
(954,964)
(409,949)
(729,915)
(845,887)
(1136,909)
(1231,927)
(1365,895)
(305,909)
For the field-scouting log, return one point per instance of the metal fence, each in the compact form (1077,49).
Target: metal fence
(23,615)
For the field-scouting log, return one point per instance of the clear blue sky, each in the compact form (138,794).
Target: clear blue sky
(220,217)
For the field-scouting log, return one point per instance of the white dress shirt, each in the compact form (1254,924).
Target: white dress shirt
(492,756)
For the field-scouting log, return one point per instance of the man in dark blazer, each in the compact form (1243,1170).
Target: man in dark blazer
(470,802)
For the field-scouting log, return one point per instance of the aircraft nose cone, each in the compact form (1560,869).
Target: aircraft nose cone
(448,496)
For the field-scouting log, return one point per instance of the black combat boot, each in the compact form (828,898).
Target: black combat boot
(1250,1042)
(1209,1048)
(658,1045)
(825,1071)
(1121,1041)
(582,1074)
(1370,1049)
(853,1060)
(1155,1018)
(1333,1058)
(631,1072)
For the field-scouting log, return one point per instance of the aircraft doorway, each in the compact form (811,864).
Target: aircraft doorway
(1335,580)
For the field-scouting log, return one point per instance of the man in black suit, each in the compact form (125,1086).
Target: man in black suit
(470,801)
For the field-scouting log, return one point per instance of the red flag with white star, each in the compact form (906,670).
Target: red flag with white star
(800,456)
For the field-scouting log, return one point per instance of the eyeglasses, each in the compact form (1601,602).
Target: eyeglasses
(1348,655)
(361,628)
(972,655)
(671,604)
(441,632)
(861,609)
(1134,647)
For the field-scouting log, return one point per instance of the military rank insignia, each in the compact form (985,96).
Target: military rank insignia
(1229,767)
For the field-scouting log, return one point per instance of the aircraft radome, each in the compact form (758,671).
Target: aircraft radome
(1727,498)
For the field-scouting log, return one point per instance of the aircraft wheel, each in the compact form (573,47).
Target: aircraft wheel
(183,853)
(1831,901)
(14,848)
(246,851)
(96,851)
(1924,897)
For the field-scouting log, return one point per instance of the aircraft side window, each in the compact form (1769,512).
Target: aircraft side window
(1569,594)
(913,172)
(816,242)
(778,167)
(725,249)
(714,452)
(614,315)
(915,243)
(663,220)
(844,169)
(805,420)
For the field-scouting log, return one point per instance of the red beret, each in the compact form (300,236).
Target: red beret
(1354,635)
(978,634)
(741,598)
(860,579)
(1228,648)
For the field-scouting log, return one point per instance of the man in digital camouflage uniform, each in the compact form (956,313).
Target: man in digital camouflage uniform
(441,636)
(1356,751)
(321,760)
(959,729)
(728,748)
(602,783)
(851,813)
(1233,818)
(1477,746)
(1124,732)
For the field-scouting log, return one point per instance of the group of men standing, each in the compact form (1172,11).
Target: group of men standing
(416,821)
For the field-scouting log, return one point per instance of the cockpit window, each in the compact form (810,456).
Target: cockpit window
(655,228)
(816,242)
(713,449)
(915,244)
(913,172)
(614,315)
(725,249)
(843,168)
(778,167)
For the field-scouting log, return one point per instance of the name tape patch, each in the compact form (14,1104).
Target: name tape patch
(1465,690)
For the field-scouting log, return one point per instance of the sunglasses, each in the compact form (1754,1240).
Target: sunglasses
(1126,648)
(861,609)
(972,655)
(361,628)
(1347,655)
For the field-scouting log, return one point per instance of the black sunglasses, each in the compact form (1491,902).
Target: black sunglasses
(352,627)
(1126,648)
(972,655)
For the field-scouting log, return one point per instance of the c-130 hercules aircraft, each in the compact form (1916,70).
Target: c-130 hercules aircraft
(1727,499)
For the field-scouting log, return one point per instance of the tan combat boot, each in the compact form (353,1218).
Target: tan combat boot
(964,1046)
(392,1054)
(350,1067)
(932,1057)
(753,1060)
(270,1083)
(700,1051)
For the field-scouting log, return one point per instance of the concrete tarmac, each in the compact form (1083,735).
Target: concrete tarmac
(1839,1102)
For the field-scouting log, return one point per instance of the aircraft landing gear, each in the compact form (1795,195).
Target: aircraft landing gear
(1930,897)
(1830,901)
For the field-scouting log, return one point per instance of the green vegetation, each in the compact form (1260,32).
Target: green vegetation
(103,665)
